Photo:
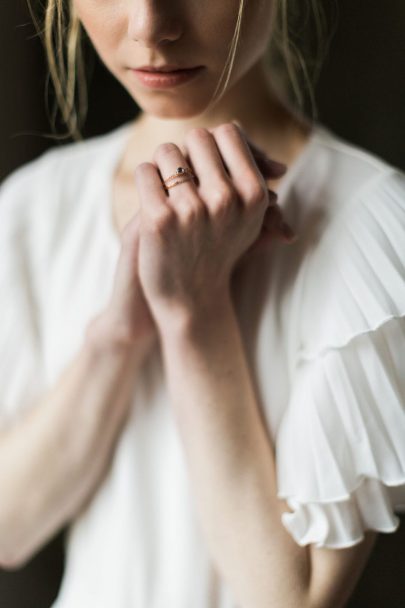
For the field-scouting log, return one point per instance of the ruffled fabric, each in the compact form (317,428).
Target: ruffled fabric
(21,377)
(357,271)
(340,448)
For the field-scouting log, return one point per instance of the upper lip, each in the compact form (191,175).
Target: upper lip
(164,68)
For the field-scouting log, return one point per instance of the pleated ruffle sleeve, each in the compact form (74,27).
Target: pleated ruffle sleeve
(21,377)
(340,448)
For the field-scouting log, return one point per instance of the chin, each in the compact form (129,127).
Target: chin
(168,105)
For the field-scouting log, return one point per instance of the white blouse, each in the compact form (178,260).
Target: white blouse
(323,325)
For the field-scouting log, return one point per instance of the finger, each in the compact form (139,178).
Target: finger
(266,239)
(152,196)
(273,167)
(215,184)
(270,168)
(273,214)
(183,195)
(246,177)
(274,225)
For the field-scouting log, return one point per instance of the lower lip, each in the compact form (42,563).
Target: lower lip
(166,80)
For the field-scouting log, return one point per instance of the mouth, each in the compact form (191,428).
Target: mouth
(165,76)
(165,68)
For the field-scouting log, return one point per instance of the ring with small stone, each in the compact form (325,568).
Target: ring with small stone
(183,174)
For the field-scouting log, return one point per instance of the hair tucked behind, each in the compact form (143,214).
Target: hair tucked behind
(298,45)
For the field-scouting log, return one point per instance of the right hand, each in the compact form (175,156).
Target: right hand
(127,319)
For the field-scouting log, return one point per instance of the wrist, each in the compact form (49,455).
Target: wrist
(197,319)
(105,334)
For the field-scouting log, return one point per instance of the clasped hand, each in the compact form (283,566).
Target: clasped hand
(181,248)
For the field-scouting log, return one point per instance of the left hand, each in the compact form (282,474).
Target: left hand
(192,237)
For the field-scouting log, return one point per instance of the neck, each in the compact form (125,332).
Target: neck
(263,114)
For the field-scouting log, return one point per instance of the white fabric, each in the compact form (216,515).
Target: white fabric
(323,325)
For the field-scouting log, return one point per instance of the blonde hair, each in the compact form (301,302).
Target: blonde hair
(295,64)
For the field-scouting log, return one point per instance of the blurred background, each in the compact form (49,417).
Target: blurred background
(360,96)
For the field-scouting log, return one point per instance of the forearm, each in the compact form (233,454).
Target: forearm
(231,463)
(53,458)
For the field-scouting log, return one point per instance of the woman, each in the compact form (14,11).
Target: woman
(215,406)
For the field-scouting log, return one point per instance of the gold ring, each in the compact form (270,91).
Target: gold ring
(181,172)
(187,179)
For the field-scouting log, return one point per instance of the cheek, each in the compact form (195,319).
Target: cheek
(255,33)
(257,25)
(214,28)
(213,23)
(104,23)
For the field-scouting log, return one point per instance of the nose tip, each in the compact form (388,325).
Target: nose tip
(151,28)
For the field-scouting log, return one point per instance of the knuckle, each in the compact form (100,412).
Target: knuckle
(165,148)
(226,128)
(119,327)
(254,193)
(221,199)
(188,211)
(163,219)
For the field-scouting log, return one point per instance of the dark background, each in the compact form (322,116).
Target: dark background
(360,96)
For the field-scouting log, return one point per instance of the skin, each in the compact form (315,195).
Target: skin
(175,244)
(127,35)
(131,34)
